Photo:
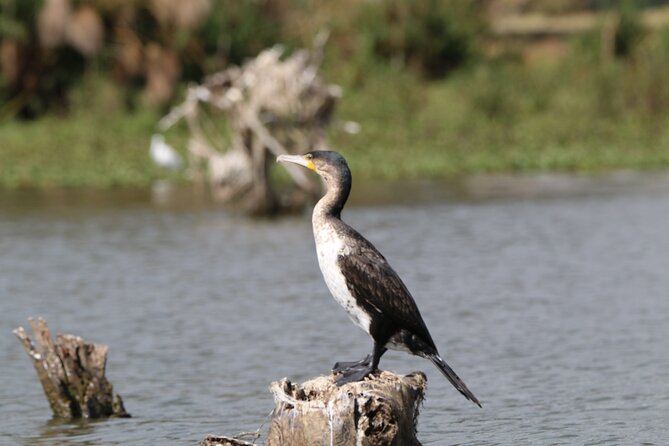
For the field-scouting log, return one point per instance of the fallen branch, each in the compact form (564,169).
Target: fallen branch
(214,440)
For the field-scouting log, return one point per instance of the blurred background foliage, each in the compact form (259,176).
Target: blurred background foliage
(147,47)
(144,47)
(439,80)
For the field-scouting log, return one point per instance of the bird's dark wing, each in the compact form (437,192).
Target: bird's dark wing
(378,288)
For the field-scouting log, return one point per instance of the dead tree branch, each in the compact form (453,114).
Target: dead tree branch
(272,106)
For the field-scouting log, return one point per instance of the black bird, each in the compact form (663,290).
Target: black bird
(362,281)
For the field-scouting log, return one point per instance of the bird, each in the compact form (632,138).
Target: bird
(163,154)
(362,281)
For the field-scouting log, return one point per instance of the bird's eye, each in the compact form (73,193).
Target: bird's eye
(308,156)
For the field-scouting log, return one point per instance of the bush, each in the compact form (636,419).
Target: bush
(145,46)
(629,31)
(430,36)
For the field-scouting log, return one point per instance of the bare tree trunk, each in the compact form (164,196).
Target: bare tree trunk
(72,374)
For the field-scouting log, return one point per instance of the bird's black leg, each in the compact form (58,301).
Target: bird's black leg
(379,350)
(342,366)
(359,373)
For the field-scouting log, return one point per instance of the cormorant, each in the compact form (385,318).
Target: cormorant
(361,280)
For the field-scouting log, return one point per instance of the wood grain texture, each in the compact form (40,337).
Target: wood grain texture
(382,410)
(72,373)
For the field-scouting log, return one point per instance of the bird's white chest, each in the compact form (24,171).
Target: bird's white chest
(328,248)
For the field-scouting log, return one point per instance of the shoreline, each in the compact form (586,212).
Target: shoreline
(481,187)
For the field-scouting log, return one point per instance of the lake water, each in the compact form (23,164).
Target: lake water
(549,295)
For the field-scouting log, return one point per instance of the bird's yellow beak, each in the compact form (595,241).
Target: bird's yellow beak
(302,160)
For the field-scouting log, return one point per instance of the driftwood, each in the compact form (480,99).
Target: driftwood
(72,374)
(381,411)
(271,106)
(214,440)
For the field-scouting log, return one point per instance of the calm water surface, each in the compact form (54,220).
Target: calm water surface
(548,295)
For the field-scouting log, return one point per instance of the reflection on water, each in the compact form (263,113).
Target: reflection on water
(548,295)
(65,432)
(166,195)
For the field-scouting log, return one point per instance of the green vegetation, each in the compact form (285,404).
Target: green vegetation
(86,149)
(512,118)
(488,119)
(431,101)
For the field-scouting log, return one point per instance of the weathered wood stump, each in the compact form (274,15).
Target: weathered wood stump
(373,412)
(381,411)
(272,105)
(72,373)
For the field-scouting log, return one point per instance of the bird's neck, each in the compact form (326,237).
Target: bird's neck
(332,203)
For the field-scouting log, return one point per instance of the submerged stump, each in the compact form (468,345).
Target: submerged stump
(379,411)
(72,374)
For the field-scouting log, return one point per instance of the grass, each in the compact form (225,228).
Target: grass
(493,117)
(86,149)
(455,127)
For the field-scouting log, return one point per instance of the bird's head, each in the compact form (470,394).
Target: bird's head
(331,166)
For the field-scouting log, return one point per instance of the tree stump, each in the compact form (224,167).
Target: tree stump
(72,373)
(379,411)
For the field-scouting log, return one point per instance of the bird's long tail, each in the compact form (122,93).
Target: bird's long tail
(453,378)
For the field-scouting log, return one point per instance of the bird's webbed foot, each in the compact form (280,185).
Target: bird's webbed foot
(343,366)
(357,371)
(354,374)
